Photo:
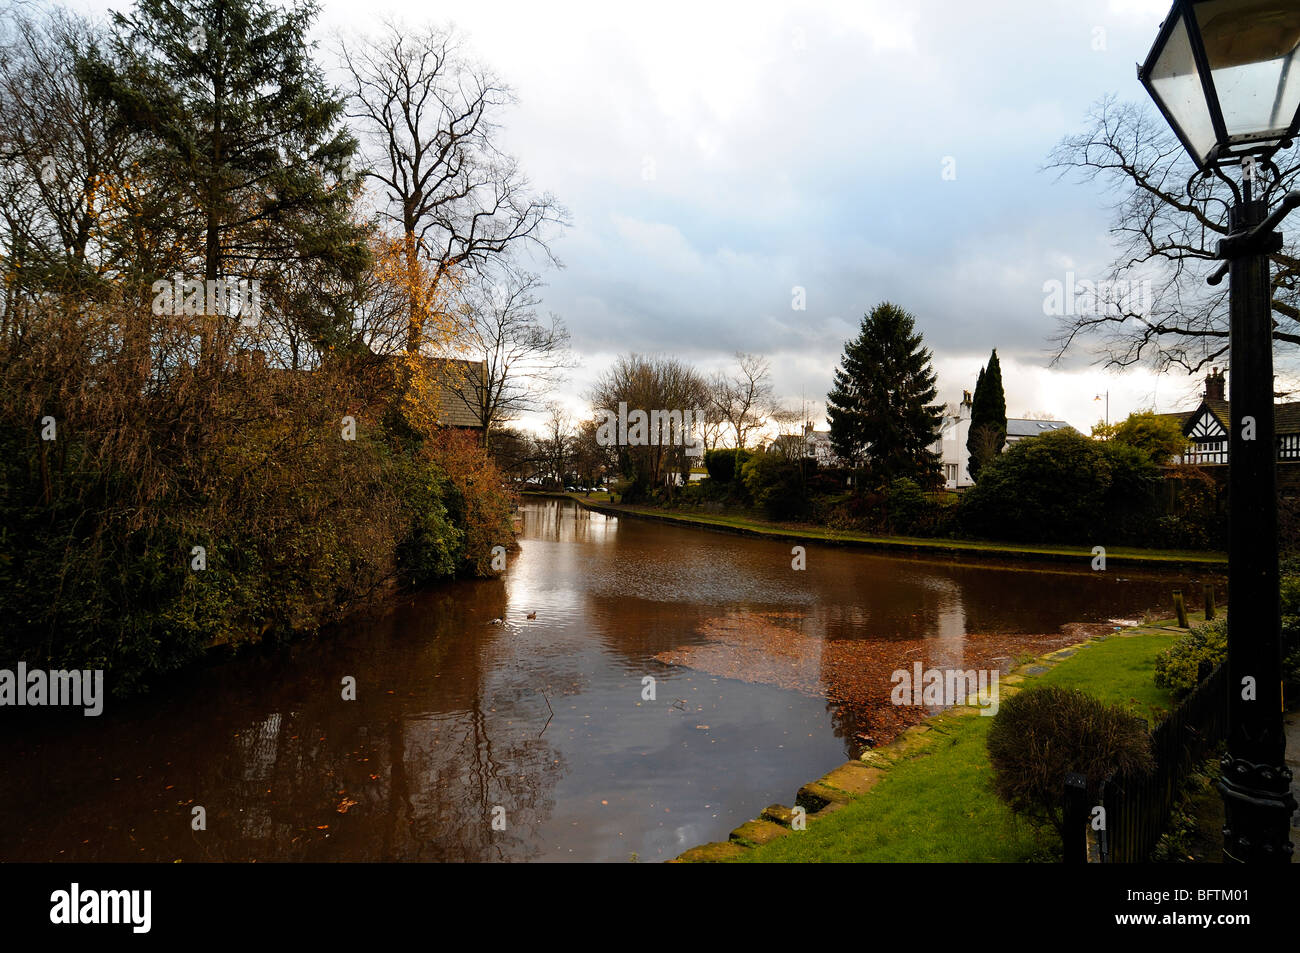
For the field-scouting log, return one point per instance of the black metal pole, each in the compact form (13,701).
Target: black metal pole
(1256,781)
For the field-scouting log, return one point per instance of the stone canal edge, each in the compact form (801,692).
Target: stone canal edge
(853,779)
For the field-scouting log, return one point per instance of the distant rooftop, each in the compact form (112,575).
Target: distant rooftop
(1023,427)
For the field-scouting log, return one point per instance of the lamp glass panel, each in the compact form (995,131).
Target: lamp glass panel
(1253,49)
(1176,82)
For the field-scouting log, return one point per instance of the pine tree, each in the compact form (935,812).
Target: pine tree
(881,410)
(988,417)
(233,112)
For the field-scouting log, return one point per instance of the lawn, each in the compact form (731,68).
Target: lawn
(935,803)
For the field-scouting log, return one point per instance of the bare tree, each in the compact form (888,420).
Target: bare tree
(64,196)
(427,115)
(556,443)
(790,429)
(650,384)
(523,355)
(744,399)
(1167,221)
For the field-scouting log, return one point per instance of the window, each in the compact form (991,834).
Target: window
(1208,451)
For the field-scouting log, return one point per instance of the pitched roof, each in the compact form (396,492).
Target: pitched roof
(1286,417)
(456,391)
(1024,427)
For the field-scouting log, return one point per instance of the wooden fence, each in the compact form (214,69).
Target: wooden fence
(1137,808)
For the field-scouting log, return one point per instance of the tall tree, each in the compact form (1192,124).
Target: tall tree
(988,417)
(230,103)
(428,116)
(881,410)
(744,400)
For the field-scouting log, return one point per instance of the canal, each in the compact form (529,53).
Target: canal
(628,689)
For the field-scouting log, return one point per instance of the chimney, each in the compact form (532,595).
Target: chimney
(965,398)
(1214,385)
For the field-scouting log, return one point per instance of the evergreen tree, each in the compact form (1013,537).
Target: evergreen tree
(988,417)
(230,105)
(881,410)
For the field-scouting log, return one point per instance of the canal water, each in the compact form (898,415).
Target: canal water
(628,689)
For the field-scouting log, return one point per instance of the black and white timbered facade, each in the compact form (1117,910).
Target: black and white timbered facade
(1206,427)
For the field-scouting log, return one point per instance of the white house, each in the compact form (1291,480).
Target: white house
(952,445)
(956,430)
(817,445)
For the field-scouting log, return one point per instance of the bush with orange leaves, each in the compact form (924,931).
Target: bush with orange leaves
(156,501)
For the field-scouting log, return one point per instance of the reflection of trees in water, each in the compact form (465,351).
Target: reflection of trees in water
(555,520)
(491,761)
(423,766)
(423,788)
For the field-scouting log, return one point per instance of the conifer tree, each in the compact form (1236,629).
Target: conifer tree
(881,411)
(230,106)
(988,417)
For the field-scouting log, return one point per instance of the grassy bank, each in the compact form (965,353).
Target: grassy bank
(934,801)
(1116,557)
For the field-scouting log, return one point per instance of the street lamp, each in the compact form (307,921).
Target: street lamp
(1226,76)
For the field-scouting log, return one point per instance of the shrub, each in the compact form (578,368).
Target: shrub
(905,503)
(1291,630)
(1048,487)
(1041,734)
(909,510)
(1060,487)
(1182,666)
(634,489)
(1156,436)
(724,464)
(776,485)
(861,512)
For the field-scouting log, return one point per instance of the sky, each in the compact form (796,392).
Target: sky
(714,157)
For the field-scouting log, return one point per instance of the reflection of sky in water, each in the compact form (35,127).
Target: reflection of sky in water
(542,716)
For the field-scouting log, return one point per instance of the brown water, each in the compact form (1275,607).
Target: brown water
(542,718)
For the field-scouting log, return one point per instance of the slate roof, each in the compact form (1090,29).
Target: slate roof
(1023,427)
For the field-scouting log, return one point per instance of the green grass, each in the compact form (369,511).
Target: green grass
(1129,555)
(936,804)
(1119,671)
(934,807)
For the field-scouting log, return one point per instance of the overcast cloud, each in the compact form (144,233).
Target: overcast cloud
(716,155)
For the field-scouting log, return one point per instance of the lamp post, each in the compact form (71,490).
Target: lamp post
(1226,76)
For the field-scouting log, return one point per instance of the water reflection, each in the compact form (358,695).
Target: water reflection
(542,717)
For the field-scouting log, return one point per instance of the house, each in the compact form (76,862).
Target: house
(955,431)
(817,444)
(458,382)
(951,445)
(1206,426)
